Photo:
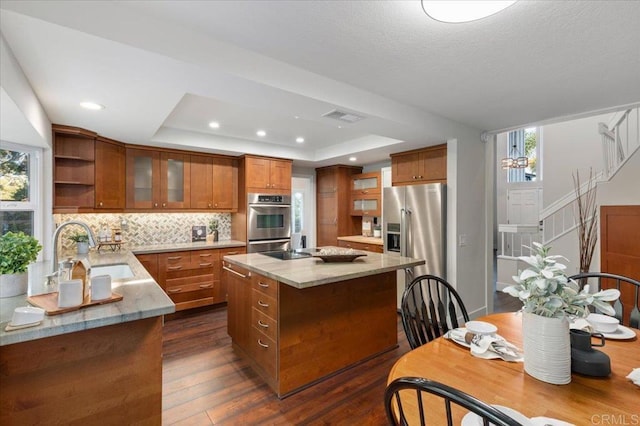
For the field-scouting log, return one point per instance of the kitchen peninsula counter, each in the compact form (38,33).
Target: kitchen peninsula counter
(299,321)
(100,364)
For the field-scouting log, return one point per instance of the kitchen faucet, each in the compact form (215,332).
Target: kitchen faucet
(56,234)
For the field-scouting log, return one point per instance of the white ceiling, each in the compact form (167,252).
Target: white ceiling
(165,69)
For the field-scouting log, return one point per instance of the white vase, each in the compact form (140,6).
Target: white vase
(82,247)
(13,284)
(547,348)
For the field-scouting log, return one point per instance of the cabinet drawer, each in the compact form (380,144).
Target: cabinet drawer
(264,351)
(265,304)
(175,261)
(361,246)
(192,282)
(204,258)
(264,323)
(265,285)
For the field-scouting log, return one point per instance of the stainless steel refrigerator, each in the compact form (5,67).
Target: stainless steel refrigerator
(413,224)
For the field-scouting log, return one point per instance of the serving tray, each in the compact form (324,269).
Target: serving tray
(338,257)
(49,302)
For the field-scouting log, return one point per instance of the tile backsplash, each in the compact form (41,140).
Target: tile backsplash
(147,228)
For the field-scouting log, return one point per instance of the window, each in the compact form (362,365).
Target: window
(19,200)
(297,210)
(523,144)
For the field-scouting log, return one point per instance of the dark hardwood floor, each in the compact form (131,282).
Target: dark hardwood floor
(205,382)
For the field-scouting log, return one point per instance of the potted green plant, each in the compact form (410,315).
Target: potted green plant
(82,242)
(17,251)
(550,299)
(213,230)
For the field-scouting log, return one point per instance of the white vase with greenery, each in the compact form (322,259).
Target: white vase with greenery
(550,300)
(17,251)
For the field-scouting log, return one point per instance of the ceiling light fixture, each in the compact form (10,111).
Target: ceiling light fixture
(91,105)
(456,11)
(261,133)
(352,158)
(299,140)
(514,162)
(214,125)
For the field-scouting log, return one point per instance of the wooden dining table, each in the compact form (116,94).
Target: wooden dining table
(612,400)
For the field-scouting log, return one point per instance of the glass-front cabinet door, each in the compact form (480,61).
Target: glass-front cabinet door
(175,176)
(365,206)
(143,179)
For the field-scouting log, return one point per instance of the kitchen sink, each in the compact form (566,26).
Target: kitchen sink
(117,271)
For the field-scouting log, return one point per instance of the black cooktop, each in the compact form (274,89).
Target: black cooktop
(287,254)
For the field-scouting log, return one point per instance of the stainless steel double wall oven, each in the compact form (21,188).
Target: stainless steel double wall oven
(268,222)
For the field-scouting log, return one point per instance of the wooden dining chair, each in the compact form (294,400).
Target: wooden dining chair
(430,307)
(395,403)
(622,283)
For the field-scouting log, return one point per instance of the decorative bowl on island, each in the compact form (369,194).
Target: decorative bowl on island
(338,254)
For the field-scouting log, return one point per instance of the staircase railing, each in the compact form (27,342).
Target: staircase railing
(514,240)
(619,141)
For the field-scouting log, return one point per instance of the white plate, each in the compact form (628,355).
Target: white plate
(622,333)
(472,419)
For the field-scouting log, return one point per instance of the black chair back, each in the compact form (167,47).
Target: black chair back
(629,290)
(396,413)
(430,307)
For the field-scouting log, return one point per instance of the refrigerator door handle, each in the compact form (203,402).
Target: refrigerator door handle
(408,237)
(408,277)
(403,233)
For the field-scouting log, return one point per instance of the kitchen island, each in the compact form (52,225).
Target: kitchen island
(299,321)
(101,364)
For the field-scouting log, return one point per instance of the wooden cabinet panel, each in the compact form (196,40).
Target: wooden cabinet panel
(225,184)
(110,174)
(333,218)
(426,165)
(265,353)
(73,169)
(150,263)
(268,286)
(361,246)
(201,182)
(224,292)
(264,323)
(239,308)
(267,174)
(266,304)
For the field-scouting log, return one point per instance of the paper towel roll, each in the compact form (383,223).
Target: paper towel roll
(70,293)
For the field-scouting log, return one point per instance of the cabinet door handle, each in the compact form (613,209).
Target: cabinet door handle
(205,255)
(229,253)
(209,205)
(365,192)
(174,258)
(155,204)
(204,265)
(235,272)
(215,204)
(164,204)
(264,305)
(263,325)
(100,203)
(206,285)
(263,285)
(264,345)
(174,290)
(174,268)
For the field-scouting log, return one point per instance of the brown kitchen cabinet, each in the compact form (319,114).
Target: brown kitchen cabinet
(239,307)
(333,218)
(361,246)
(270,175)
(427,165)
(157,179)
(188,277)
(110,172)
(150,263)
(73,169)
(366,194)
(224,292)
(214,183)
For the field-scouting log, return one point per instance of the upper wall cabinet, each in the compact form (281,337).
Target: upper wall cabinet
(269,175)
(110,174)
(426,165)
(214,183)
(73,169)
(157,179)
(366,194)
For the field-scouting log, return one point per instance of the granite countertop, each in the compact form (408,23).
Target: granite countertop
(312,271)
(142,298)
(163,248)
(361,239)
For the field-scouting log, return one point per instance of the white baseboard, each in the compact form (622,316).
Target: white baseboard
(501,286)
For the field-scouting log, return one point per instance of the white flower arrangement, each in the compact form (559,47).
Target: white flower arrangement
(545,290)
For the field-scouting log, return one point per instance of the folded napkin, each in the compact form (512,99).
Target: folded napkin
(485,346)
(634,376)
(581,324)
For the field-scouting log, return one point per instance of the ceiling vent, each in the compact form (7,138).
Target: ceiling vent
(347,117)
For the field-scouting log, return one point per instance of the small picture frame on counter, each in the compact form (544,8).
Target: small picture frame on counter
(198,233)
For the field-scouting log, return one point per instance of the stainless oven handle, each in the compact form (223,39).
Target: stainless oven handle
(282,206)
(269,241)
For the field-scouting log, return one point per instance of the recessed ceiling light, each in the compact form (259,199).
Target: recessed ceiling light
(352,158)
(296,117)
(214,125)
(299,140)
(339,127)
(261,133)
(463,10)
(91,105)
